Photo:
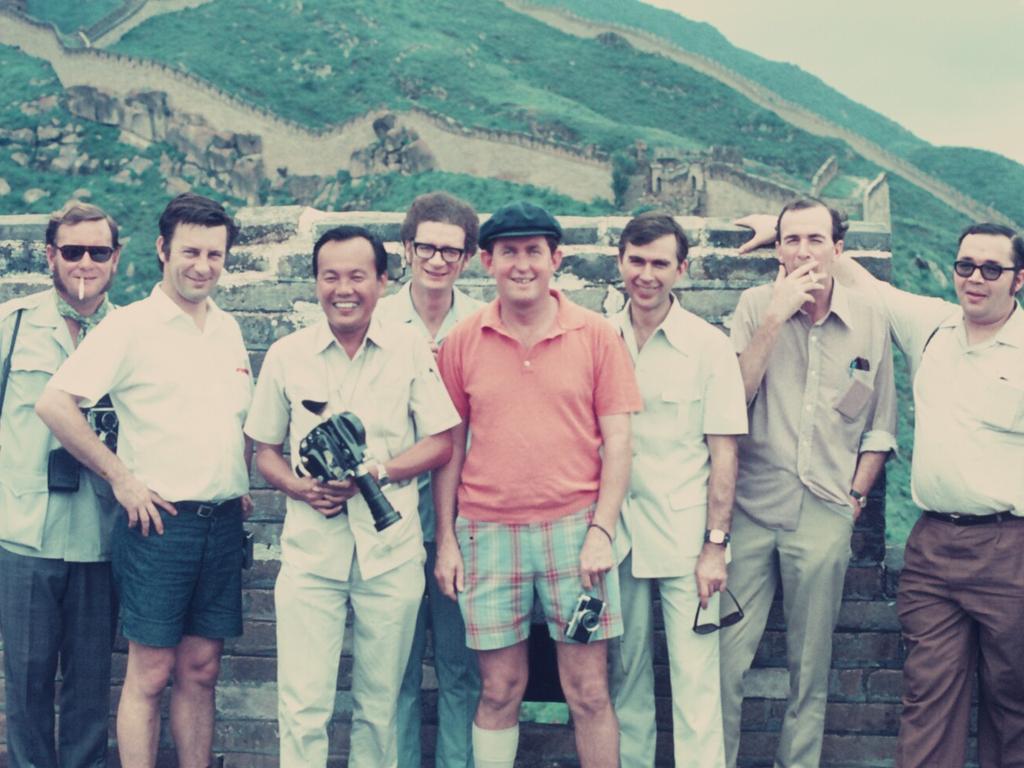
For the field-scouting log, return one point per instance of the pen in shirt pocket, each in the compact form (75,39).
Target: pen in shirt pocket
(859,364)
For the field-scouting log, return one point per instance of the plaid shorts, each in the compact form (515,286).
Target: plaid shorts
(506,565)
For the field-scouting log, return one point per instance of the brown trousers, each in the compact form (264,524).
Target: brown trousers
(961,605)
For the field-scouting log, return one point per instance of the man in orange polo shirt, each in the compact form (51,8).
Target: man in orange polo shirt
(546,388)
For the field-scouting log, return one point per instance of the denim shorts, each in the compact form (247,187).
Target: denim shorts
(507,565)
(187,581)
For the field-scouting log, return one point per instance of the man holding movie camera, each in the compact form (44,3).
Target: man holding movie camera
(319,387)
(56,594)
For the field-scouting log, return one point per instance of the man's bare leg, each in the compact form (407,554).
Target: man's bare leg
(503,675)
(583,671)
(196,668)
(138,712)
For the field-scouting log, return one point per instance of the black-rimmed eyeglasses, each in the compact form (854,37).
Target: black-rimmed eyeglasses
(426,252)
(728,620)
(988,271)
(98,253)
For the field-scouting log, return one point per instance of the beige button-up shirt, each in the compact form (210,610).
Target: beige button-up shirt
(691,386)
(812,415)
(392,385)
(68,526)
(181,395)
(969,407)
(398,308)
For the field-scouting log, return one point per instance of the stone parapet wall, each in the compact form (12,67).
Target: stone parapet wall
(269,289)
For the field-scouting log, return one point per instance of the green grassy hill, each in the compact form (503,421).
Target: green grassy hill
(322,62)
(320,68)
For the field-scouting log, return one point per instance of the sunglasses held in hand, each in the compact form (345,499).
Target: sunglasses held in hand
(725,621)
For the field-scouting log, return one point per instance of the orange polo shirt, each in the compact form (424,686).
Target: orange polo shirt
(534,452)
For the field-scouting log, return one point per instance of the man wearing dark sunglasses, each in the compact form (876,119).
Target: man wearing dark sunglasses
(677,515)
(439,235)
(56,593)
(960,597)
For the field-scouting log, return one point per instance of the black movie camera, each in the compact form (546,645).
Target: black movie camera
(335,449)
(103,419)
(62,469)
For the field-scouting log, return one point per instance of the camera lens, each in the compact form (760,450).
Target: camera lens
(108,421)
(590,620)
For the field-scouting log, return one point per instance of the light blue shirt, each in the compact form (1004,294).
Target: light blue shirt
(69,526)
(398,308)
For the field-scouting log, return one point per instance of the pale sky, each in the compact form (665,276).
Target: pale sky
(950,72)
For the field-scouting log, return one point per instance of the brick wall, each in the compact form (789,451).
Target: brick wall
(270,292)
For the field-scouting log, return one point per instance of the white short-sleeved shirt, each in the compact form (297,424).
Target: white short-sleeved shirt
(691,384)
(181,395)
(392,385)
(398,308)
(968,406)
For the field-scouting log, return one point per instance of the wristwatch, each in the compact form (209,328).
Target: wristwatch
(859,497)
(716,536)
(382,475)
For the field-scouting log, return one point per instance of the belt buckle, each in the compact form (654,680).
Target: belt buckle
(206,510)
(954,516)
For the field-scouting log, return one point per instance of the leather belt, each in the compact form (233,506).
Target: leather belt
(207,508)
(956,519)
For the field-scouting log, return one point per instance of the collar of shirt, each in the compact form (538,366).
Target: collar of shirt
(569,317)
(405,311)
(45,314)
(377,334)
(1011,334)
(675,328)
(839,306)
(167,310)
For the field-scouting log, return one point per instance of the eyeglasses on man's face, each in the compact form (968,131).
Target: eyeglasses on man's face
(989,271)
(98,253)
(426,252)
(733,617)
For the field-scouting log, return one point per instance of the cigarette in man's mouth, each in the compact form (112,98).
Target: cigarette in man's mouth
(81,288)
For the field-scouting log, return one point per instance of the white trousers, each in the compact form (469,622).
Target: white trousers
(697,738)
(311,612)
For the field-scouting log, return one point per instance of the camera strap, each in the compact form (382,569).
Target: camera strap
(7,360)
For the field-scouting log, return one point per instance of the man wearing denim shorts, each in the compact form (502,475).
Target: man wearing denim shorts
(177,373)
(546,388)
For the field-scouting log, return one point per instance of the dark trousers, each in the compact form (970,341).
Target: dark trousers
(961,605)
(51,612)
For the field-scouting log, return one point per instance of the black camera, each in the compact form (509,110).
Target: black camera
(585,619)
(63,469)
(102,419)
(336,450)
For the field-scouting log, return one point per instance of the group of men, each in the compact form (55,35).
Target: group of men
(577,465)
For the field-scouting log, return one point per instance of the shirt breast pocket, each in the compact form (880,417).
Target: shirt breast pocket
(683,410)
(36,358)
(1000,406)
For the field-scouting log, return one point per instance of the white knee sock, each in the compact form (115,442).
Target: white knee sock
(495,749)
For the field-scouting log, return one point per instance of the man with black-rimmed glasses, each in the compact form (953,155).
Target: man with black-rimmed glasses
(57,605)
(961,595)
(439,235)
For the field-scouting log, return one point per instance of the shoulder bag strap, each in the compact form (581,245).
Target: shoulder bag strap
(7,360)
